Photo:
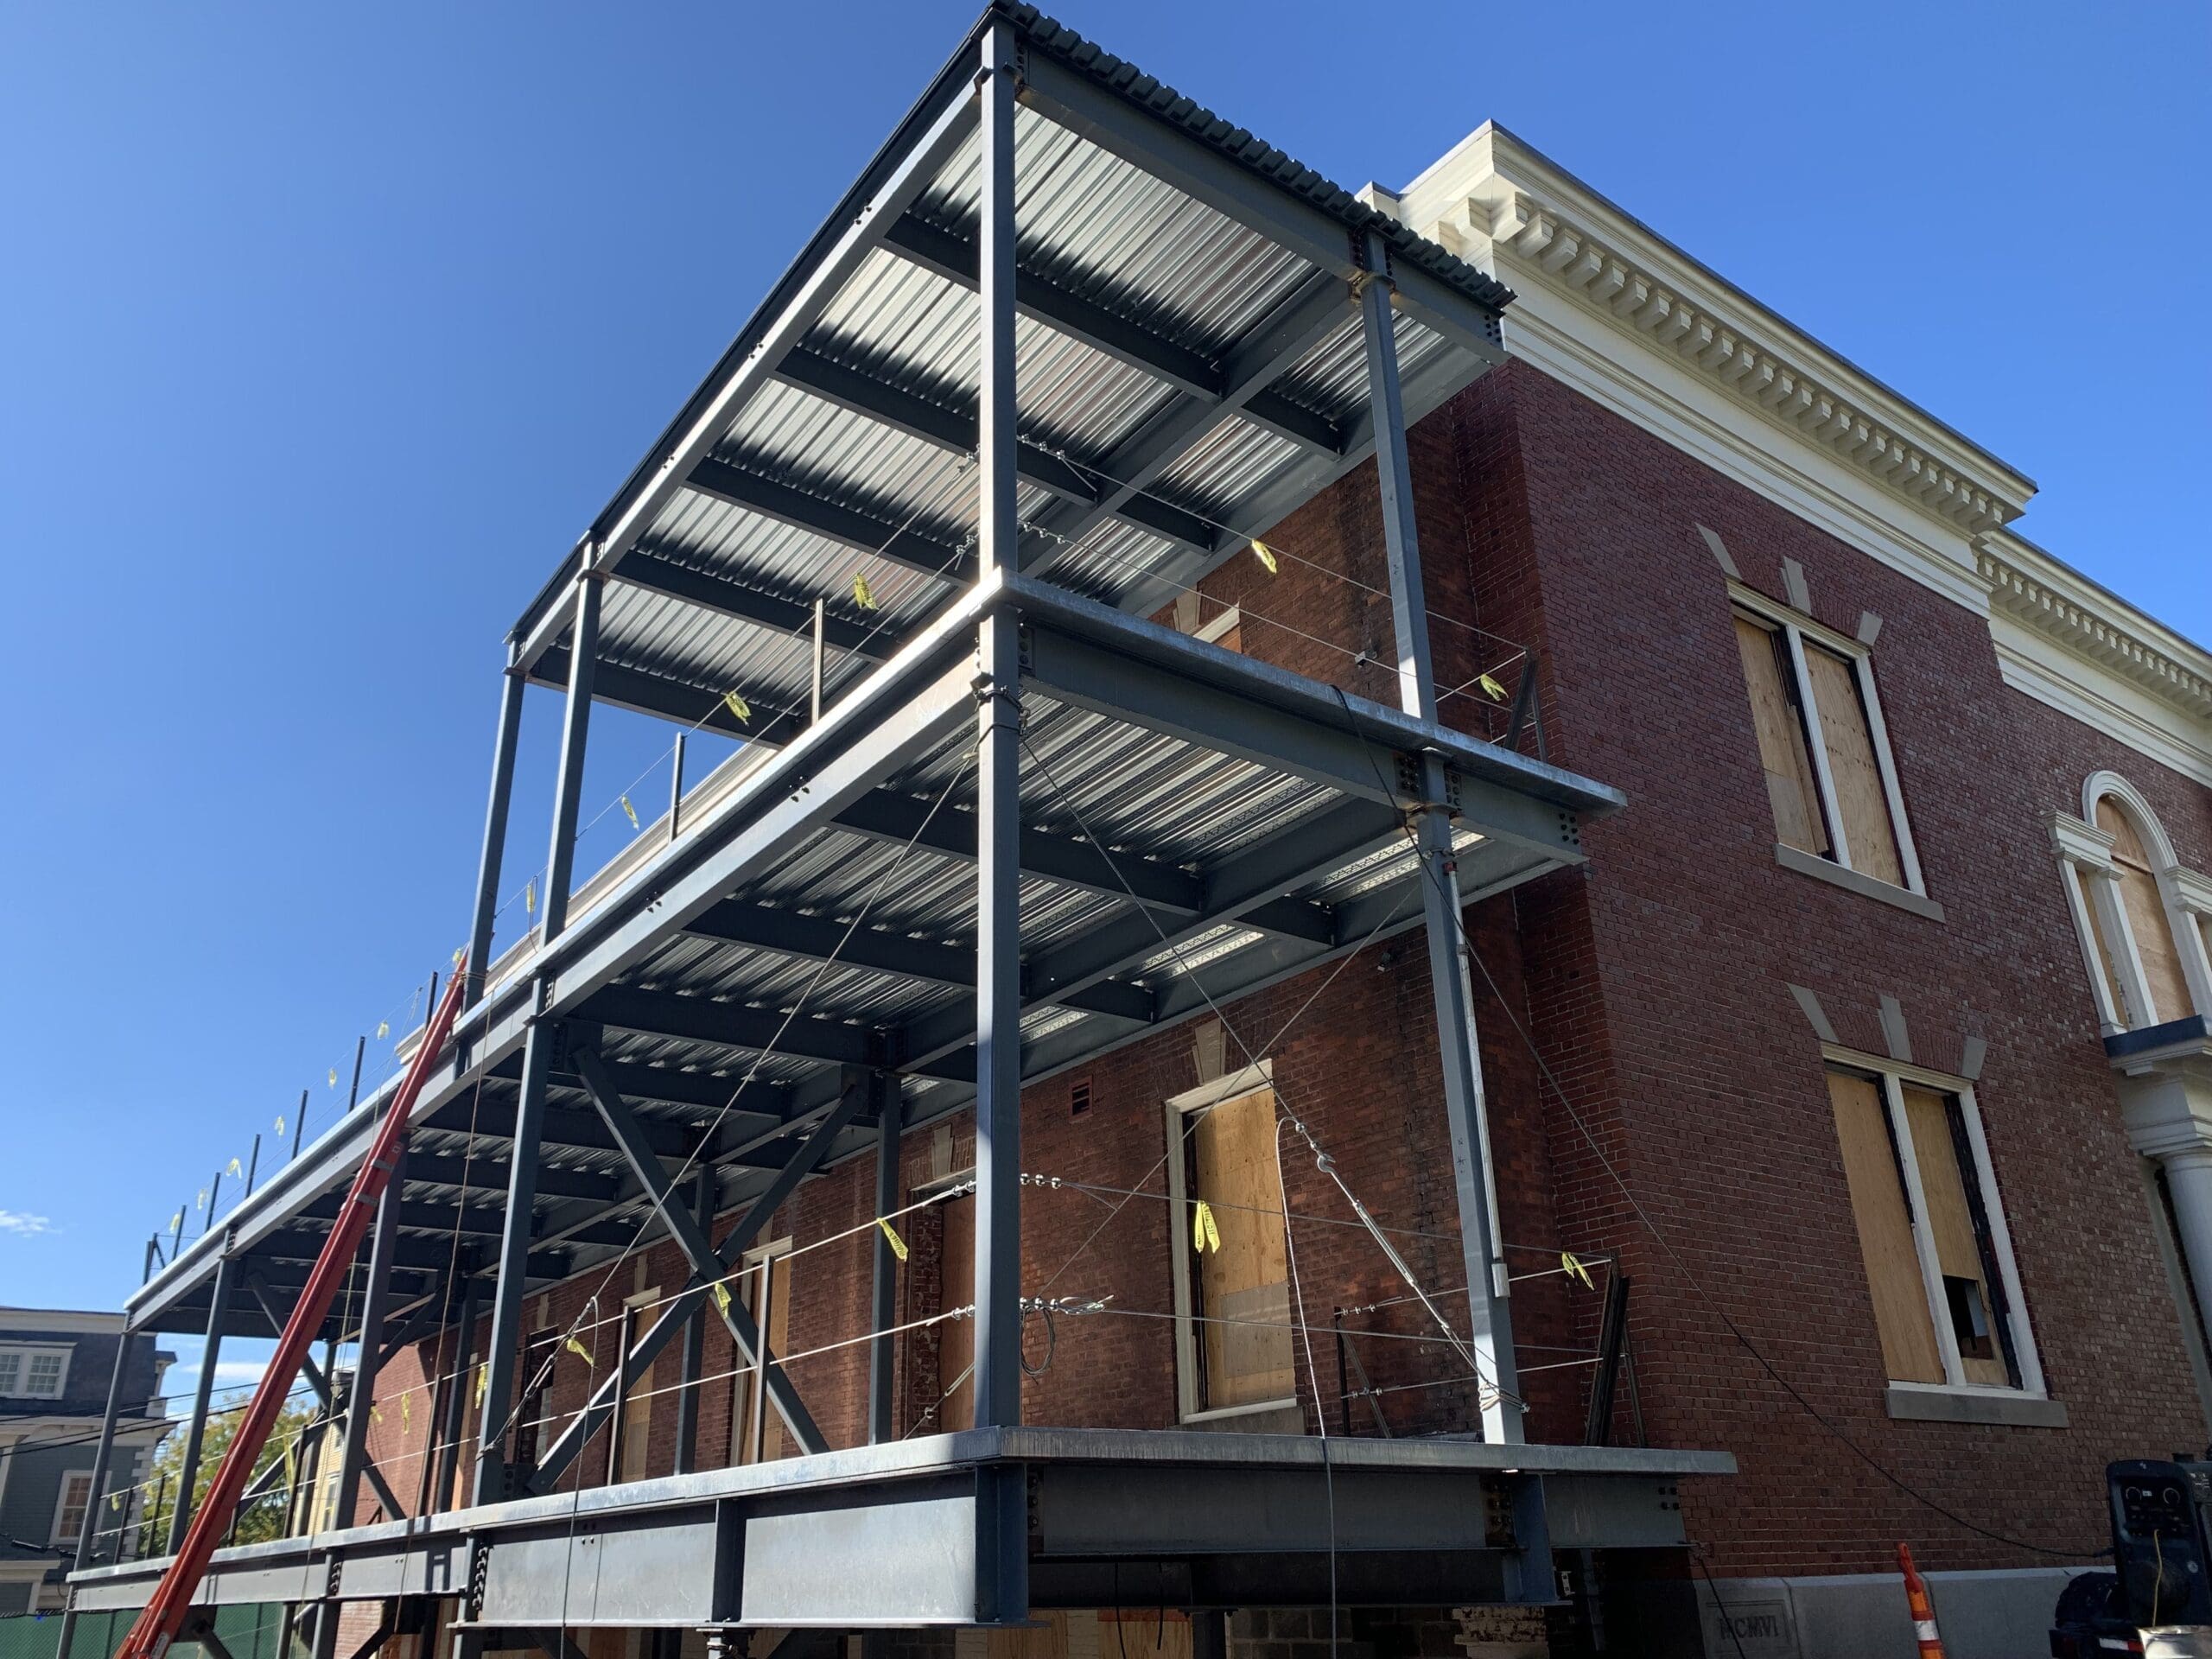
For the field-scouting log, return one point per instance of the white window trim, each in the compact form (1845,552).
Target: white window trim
(2184,896)
(1796,628)
(23,1374)
(61,1504)
(1228,1086)
(1894,1075)
(1228,622)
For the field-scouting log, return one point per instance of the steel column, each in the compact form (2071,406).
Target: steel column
(576,732)
(884,1306)
(695,1337)
(998,868)
(219,1308)
(95,1506)
(495,833)
(511,1284)
(1002,1559)
(353,1456)
(457,1368)
(1489,1311)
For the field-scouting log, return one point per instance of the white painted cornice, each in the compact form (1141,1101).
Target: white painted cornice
(2031,587)
(1508,209)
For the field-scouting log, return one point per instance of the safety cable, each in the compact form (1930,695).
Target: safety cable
(1665,1243)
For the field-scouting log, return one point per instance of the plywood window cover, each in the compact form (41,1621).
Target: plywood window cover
(2092,867)
(1892,1075)
(1797,629)
(1246,1080)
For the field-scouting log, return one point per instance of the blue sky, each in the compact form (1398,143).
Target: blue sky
(327,330)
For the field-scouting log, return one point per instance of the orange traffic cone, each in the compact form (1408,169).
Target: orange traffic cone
(1923,1611)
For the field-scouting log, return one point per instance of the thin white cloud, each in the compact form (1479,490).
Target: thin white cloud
(23,1224)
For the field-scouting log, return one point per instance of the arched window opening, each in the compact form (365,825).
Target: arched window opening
(2156,949)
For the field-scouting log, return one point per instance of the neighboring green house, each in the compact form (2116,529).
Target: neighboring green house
(55,1367)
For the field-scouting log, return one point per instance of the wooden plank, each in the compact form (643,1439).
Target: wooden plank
(1781,733)
(1870,1166)
(2146,916)
(1861,802)
(956,1337)
(1244,1286)
(1950,1222)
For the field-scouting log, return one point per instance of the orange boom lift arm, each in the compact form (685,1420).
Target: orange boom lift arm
(164,1614)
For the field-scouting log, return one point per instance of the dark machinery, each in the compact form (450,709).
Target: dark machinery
(2158,1599)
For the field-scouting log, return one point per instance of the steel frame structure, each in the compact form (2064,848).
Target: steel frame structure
(1002,653)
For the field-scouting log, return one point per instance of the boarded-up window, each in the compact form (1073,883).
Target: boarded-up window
(1240,1287)
(1885,1242)
(756,1431)
(2146,916)
(955,1363)
(1779,720)
(1862,801)
(1959,1228)
(638,1426)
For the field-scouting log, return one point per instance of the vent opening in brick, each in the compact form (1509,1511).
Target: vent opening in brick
(1079,1097)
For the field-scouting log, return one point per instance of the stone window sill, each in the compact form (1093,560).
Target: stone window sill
(1866,886)
(1921,1403)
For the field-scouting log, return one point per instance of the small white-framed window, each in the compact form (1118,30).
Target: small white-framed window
(31,1371)
(1941,1276)
(71,1504)
(2140,913)
(1229,1259)
(1823,746)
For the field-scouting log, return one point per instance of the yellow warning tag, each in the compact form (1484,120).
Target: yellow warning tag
(891,1237)
(203,1197)
(737,705)
(722,1296)
(407,1411)
(376,1412)
(1574,1269)
(862,596)
(384,1029)
(176,1221)
(1266,556)
(530,898)
(483,1380)
(1491,689)
(629,812)
(235,1168)
(334,1077)
(1205,1233)
(459,955)
(580,1351)
(280,1124)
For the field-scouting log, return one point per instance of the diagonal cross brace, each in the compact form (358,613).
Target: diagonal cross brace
(680,1307)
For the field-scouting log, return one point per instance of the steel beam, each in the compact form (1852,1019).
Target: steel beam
(929,138)
(575,730)
(952,256)
(698,1250)
(805,1160)
(219,1309)
(773,612)
(353,1455)
(703,1190)
(457,1368)
(883,1300)
(503,1346)
(1072,99)
(1490,1312)
(887,538)
(494,846)
(96,1505)
(689,705)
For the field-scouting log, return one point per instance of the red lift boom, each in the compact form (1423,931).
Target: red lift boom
(164,1614)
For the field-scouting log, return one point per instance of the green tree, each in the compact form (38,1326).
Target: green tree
(262,1519)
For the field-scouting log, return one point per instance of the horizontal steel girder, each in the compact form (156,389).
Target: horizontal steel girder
(952,255)
(775,612)
(911,545)
(952,428)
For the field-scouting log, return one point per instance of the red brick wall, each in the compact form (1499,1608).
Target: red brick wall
(1661,972)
